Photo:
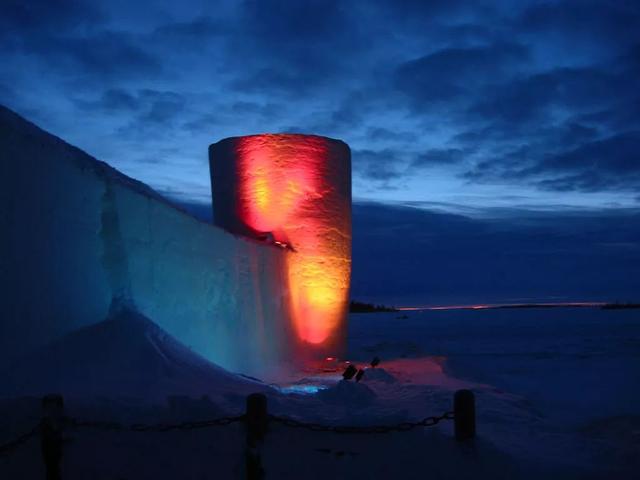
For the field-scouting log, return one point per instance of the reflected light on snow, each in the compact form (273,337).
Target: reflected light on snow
(302,389)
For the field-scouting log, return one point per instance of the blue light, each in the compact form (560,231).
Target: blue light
(302,389)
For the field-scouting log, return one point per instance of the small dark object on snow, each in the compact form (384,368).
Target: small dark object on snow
(256,419)
(464,411)
(51,434)
(349,372)
(359,375)
(375,362)
(266,237)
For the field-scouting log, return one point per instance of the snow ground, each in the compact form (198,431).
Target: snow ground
(558,396)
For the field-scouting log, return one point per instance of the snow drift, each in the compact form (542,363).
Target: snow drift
(125,356)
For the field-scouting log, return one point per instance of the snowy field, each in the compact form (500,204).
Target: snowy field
(568,379)
(557,392)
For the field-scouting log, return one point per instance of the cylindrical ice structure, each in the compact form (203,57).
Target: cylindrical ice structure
(294,191)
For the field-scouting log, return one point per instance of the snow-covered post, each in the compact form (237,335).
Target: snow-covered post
(464,411)
(51,434)
(256,419)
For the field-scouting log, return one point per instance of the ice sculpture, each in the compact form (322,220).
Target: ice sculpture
(294,191)
(76,233)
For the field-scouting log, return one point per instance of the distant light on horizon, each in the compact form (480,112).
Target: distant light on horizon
(503,305)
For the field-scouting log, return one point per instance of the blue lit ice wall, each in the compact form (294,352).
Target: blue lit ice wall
(219,294)
(75,233)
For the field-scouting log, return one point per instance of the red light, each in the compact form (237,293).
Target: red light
(297,188)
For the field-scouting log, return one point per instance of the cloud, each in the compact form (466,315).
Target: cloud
(439,156)
(537,97)
(107,54)
(378,165)
(450,73)
(71,38)
(386,134)
(500,91)
(195,30)
(606,164)
(288,81)
(312,22)
(609,163)
(112,99)
(403,254)
(147,105)
(288,48)
(37,16)
(594,21)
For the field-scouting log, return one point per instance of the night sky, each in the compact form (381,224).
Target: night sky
(495,144)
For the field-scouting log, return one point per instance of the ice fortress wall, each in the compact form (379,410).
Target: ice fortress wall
(296,190)
(76,232)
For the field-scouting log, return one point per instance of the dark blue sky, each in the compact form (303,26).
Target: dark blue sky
(472,104)
(522,116)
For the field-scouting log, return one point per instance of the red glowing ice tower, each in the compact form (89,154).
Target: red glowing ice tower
(294,191)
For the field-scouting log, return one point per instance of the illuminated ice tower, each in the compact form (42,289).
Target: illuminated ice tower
(294,191)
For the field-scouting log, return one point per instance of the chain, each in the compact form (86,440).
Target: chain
(97,425)
(119,427)
(289,422)
(163,427)
(13,444)
(219,422)
(365,429)
(157,427)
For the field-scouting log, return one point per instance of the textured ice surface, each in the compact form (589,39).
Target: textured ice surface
(76,233)
(294,190)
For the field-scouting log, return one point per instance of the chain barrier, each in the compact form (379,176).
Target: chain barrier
(15,443)
(219,422)
(157,427)
(364,429)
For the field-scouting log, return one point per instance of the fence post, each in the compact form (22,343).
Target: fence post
(464,411)
(51,434)
(256,425)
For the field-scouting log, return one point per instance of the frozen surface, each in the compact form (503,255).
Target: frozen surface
(558,391)
(570,363)
(126,357)
(76,233)
(528,368)
(573,375)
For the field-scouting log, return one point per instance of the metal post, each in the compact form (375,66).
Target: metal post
(464,411)
(51,434)
(256,424)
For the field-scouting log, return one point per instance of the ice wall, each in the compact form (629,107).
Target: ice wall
(295,191)
(76,233)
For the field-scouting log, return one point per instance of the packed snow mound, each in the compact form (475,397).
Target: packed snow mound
(378,375)
(395,349)
(348,393)
(126,356)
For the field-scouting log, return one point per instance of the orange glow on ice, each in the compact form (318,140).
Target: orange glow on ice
(287,187)
(317,288)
